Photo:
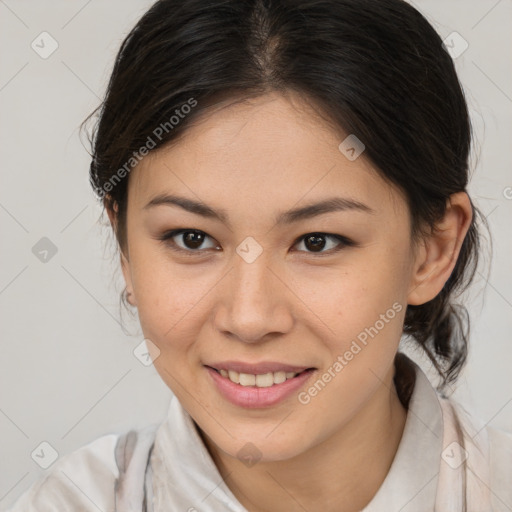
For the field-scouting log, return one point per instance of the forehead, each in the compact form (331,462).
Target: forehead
(269,150)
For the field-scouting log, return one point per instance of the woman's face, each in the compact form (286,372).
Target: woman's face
(251,293)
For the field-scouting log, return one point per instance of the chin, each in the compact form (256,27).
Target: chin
(257,445)
(261,450)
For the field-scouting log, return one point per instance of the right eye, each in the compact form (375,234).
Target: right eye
(191,240)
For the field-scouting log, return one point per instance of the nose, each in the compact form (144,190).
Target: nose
(254,303)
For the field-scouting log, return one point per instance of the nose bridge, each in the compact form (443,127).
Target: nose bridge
(255,303)
(251,280)
(252,271)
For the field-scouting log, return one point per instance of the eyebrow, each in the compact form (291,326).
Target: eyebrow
(332,204)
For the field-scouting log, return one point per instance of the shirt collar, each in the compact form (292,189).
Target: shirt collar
(186,478)
(411,482)
(184,474)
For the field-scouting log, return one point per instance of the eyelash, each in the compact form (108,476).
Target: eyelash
(167,239)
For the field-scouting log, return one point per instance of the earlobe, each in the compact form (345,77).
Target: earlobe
(112,214)
(125,264)
(436,258)
(125,267)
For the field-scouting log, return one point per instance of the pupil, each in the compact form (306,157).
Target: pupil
(317,243)
(193,240)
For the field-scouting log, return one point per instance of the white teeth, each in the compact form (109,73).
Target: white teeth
(264,380)
(234,376)
(280,377)
(246,379)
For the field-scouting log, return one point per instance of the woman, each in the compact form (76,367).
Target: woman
(287,182)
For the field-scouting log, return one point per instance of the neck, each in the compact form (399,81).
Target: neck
(340,474)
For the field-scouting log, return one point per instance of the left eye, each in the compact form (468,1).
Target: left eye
(193,239)
(316,241)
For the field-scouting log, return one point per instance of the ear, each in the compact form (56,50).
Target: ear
(438,253)
(125,264)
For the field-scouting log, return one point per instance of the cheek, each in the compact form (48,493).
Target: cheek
(167,298)
(349,300)
(364,313)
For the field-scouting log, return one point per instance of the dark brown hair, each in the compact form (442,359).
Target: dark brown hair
(375,68)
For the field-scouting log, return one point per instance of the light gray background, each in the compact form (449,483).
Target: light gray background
(67,371)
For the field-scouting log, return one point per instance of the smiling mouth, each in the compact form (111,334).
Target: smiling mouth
(262,380)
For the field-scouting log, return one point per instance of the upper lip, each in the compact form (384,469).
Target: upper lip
(257,368)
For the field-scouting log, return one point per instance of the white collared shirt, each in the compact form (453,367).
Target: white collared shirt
(168,468)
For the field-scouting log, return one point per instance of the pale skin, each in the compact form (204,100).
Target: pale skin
(255,160)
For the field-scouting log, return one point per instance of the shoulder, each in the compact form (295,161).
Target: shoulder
(491,448)
(86,479)
(500,461)
(81,480)
(498,441)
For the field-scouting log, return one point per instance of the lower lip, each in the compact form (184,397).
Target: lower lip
(253,397)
